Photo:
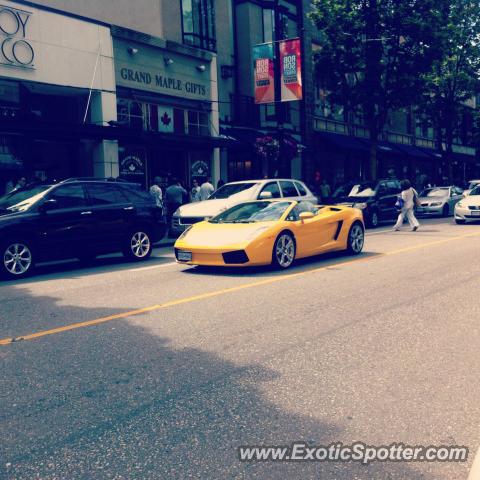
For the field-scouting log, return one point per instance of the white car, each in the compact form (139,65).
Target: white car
(471,185)
(235,193)
(469,207)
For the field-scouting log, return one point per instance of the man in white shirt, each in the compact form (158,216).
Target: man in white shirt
(206,189)
(156,192)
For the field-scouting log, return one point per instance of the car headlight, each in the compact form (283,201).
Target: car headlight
(360,206)
(435,204)
(184,233)
(461,205)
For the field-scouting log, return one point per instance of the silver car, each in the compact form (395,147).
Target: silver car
(439,200)
(234,193)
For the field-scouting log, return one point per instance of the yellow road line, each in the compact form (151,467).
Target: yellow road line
(216,293)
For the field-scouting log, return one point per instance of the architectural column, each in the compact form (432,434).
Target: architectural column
(105,156)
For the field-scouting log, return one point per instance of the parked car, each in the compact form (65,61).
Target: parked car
(76,218)
(235,193)
(375,199)
(265,232)
(468,208)
(439,200)
(471,185)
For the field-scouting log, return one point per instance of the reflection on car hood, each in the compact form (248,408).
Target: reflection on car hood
(207,208)
(214,235)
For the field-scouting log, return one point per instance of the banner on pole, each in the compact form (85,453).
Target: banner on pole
(291,70)
(263,56)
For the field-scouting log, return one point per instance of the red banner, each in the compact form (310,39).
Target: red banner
(264,73)
(291,70)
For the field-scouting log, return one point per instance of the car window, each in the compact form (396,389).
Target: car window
(104,194)
(288,189)
(135,194)
(301,189)
(68,196)
(273,188)
(393,187)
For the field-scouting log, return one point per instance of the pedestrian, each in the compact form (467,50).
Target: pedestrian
(21,182)
(408,198)
(206,189)
(195,191)
(156,192)
(174,197)
(325,191)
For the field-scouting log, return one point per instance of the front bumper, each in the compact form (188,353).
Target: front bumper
(465,213)
(429,210)
(180,224)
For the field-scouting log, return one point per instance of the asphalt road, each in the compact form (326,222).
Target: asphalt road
(185,365)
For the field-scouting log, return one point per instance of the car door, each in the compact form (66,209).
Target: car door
(315,234)
(66,222)
(113,214)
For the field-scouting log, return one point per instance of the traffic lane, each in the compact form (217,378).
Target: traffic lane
(198,360)
(139,287)
(142,287)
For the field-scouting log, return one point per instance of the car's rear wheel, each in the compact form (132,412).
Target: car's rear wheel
(284,250)
(373,221)
(356,239)
(17,259)
(138,245)
(445,211)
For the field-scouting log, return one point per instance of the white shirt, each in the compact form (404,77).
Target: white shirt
(156,193)
(206,190)
(408,196)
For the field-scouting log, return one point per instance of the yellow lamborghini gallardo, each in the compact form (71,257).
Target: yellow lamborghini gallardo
(271,232)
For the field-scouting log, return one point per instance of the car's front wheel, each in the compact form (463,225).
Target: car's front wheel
(17,259)
(284,250)
(373,220)
(356,239)
(138,245)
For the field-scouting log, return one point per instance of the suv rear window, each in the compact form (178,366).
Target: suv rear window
(104,194)
(288,189)
(135,195)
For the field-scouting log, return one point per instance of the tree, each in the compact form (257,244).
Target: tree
(374,56)
(453,80)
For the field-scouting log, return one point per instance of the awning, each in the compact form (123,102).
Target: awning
(346,142)
(413,151)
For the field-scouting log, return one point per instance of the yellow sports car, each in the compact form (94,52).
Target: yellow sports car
(271,232)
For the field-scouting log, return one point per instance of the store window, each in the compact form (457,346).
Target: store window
(198,123)
(198,23)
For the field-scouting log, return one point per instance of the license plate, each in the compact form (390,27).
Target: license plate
(184,256)
(475,213)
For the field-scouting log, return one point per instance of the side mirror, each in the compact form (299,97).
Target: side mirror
(306,215)
(48,205)
(265,195)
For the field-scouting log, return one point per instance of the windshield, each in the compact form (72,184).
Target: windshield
(435,192)
(231,189)
(253,212)
(473,184)
(23,199)
(366,189)
(475,191)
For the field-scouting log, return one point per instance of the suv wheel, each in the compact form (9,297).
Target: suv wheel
(138,246)
(17,259)
(373,222)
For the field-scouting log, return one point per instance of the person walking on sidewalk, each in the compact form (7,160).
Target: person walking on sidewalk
(409,197)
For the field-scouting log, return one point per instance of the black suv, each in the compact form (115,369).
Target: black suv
(375,199)
(76,218)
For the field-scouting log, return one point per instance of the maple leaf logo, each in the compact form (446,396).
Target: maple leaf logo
(166,120)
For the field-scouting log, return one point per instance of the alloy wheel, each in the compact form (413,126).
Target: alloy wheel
(374,220)
(140,244)
(285,250)
(356,238)
(17,259)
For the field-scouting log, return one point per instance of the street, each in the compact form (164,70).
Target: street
(161,371)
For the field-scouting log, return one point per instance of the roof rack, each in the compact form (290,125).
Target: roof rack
(94,179)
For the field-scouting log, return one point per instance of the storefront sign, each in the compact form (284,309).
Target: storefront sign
(291,70)
(15,49)
(264,73)
(144,78)
(199,169)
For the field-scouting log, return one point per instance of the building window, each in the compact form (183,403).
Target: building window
(198,123)
(198,21)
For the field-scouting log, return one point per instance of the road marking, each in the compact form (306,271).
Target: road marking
(152,267)
(217,293)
